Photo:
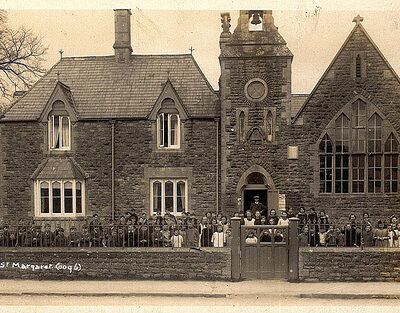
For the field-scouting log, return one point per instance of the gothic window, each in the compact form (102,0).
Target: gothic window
(59,127)
(269,122)
(358,153)
(391,164)
(241,126)
(168,126)
(168,195)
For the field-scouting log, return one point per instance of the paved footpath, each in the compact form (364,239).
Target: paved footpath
(206,289)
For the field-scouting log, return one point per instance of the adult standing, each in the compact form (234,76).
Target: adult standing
(258,206)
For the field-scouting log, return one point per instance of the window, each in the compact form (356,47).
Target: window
(168,195)
(59,128)
(326,167)
(168,125)
(356,161)
(241,126)
(358,66)
(391,164)
(269,122)
(59,198)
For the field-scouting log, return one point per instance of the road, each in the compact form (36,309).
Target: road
(239,303)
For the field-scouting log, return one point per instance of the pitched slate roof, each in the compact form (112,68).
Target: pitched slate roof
(103,88)
(59,168)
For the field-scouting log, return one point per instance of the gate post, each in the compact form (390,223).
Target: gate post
(293,249)
(235,248)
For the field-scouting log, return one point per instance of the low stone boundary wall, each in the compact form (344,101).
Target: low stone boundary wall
(349,264)
(115,263)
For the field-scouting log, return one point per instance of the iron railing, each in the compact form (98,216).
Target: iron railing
(69,233)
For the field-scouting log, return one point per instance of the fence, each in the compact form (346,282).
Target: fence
(353,234)
(69,233)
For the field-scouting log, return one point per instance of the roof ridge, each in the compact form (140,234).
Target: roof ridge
(132,55)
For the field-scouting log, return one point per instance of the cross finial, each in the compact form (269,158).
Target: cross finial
(191,50)
(358,19)
(61,51)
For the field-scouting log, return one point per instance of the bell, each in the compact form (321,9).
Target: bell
(256,19)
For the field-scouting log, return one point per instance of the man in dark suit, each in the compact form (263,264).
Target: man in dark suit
(258,206)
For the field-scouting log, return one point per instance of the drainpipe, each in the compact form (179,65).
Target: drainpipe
(217,164)
(113,169)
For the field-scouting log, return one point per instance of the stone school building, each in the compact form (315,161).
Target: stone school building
(108,134)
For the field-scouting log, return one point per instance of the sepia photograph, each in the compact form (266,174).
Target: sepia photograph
(172,156)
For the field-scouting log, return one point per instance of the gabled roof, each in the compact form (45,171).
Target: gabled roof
(59,168)
(356,27)
(169,92)
(104,88)
(60,92)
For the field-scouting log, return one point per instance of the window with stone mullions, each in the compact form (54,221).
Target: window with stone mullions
(168,195)
(58,198)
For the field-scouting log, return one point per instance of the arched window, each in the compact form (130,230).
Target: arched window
(68,198)
(391,164)
(269,121)
(180,196)
(56,193)
(326,167)
(169,196)
(352,156)
(241,126)
(157,197)
(168,125)
(44,198)
(59,126)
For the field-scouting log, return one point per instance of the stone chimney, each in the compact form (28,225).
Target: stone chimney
(122,46)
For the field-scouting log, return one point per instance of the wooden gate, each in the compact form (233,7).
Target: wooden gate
(264,252)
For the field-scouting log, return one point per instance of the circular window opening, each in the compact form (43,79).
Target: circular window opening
(256,89)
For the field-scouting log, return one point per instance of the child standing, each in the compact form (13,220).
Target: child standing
(219,238)
(176,239)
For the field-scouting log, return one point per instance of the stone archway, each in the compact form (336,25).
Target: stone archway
(254,179)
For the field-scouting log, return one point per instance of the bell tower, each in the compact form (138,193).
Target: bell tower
(255,88)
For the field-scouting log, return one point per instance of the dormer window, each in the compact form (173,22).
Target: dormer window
(59,125)
(168,126)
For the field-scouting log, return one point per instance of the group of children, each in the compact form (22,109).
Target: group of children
(316,230)
(130,230)
(211,230)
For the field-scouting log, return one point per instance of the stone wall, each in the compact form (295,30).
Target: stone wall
(23,147)
(115,263)
(349,264)
(380,87)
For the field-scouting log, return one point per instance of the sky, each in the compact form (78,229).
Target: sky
(313,35)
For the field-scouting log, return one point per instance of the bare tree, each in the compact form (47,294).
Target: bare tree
(21,57)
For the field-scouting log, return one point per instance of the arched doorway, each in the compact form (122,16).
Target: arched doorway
(256,181)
